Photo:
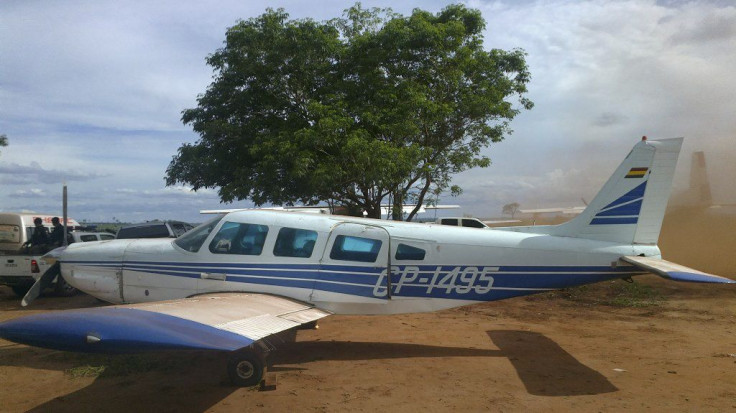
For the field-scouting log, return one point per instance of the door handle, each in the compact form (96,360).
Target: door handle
(212,276)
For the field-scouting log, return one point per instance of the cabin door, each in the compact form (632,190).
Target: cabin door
(355,266)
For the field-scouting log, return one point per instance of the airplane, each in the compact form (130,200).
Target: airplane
(239,280)
(576,210)
(326,209)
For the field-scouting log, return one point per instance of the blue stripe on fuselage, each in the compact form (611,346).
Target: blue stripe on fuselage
(406,280)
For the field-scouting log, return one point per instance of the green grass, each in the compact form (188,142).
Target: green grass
(617,293)
(634,295)
(85,371)
(123,365)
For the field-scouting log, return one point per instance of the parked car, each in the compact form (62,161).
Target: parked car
(154,229)
(82,236)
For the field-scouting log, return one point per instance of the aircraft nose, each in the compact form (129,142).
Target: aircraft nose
(96,268)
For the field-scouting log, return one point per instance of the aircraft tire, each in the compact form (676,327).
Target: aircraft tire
(245,368)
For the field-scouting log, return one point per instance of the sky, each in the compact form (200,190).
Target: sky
(91,95)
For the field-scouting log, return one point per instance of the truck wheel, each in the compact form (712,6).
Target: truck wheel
(63,289)
(245,368)
(20,290)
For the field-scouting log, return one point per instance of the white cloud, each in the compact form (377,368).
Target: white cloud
(605,73)
(92,94)
(30,193)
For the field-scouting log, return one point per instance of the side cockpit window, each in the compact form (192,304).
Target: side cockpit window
(360,249)
(192,241)
(294,242)
(239,238)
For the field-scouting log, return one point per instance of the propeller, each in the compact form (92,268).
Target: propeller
(47,278)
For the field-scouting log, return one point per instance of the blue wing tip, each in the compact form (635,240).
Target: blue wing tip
(116,330)
(698,277)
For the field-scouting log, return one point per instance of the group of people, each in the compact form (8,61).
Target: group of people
(42,240)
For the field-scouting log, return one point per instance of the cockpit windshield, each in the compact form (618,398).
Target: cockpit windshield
(192,241)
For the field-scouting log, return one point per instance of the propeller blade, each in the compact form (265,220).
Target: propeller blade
(41,284)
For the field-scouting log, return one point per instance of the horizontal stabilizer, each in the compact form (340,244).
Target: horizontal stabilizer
(675,272)
(227,321)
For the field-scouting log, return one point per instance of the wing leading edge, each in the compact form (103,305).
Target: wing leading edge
(227,321)
(675,272)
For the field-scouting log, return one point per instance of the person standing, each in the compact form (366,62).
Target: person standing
(57,234)
(40,238)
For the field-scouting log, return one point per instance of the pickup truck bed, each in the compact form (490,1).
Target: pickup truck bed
(19,272)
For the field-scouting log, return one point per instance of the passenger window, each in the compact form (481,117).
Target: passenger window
(293,242)
(240,239)
(88,238)
(450,221)
(407,252)
(471,223)
(355,249)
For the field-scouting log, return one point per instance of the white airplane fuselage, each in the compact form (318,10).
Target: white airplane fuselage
(417,267)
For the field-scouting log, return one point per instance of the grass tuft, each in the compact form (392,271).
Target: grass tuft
(124,365)
(617,293)
(85,371)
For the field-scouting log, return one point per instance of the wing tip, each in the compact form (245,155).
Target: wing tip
(699,277)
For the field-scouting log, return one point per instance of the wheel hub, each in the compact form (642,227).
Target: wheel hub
(245,369)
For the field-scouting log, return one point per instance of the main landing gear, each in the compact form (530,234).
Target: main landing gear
(246,367)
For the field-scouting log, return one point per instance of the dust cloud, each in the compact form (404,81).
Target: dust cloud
(699,228)
(701,238)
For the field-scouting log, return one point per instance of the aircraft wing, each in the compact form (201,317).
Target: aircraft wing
(561,210)
(500,221)
(316,209)
(222,321)
(675,272)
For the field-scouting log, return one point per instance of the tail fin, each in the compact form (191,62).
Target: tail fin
(630,207)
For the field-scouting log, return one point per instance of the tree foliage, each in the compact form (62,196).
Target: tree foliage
(351,111)
(511,209)
(3,140)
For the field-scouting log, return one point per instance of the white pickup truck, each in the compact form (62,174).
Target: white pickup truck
(19,267)
(461,222)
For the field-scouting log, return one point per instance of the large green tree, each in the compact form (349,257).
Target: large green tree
(355,111)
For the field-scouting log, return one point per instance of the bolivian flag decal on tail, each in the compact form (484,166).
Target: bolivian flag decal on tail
(637,173)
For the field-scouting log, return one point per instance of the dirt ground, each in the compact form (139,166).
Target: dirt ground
(656,346)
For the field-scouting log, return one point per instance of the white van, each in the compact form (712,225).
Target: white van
(19,269)
(17,228)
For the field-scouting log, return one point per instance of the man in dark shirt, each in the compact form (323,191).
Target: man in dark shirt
(40,237)
(57,234)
